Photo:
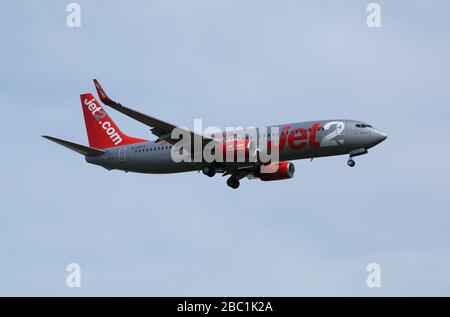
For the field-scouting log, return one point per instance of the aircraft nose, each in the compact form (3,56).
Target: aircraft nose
(380,136)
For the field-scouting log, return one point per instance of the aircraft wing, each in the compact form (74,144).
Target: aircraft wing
(160,128)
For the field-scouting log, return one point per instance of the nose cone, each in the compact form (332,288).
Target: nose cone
(379,136)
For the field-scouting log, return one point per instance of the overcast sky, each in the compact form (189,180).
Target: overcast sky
(231,63)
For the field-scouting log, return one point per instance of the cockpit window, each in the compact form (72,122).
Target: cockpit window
(363,125)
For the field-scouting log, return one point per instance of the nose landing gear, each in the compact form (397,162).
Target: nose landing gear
(354,153)
(351,162)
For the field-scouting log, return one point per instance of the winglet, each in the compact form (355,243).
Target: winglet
(101,93)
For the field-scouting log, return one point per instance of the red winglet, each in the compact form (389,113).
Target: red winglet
(101,93)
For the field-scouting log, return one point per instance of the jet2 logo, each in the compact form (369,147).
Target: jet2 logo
(299,138)
(335,136)
(99,115)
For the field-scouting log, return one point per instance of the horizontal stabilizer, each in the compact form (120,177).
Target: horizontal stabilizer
(82,149)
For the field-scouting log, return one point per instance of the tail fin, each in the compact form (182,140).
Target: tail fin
(101,130)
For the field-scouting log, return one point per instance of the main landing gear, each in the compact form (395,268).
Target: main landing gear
(209,170)
(233,182)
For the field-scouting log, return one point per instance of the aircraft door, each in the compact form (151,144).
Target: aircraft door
(122,152)
(340,128)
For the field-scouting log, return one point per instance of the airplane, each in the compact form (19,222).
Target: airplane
(112,149)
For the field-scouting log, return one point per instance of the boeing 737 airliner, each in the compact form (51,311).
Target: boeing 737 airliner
(111,148)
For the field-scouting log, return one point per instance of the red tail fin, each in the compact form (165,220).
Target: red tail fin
(101,130)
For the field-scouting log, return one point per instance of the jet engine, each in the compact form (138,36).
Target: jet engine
(276,171)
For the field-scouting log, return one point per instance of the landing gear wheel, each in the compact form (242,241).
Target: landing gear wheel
(233,182)
(351,163)
(209,170)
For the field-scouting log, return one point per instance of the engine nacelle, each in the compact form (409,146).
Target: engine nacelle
(277,171)
(238,149)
